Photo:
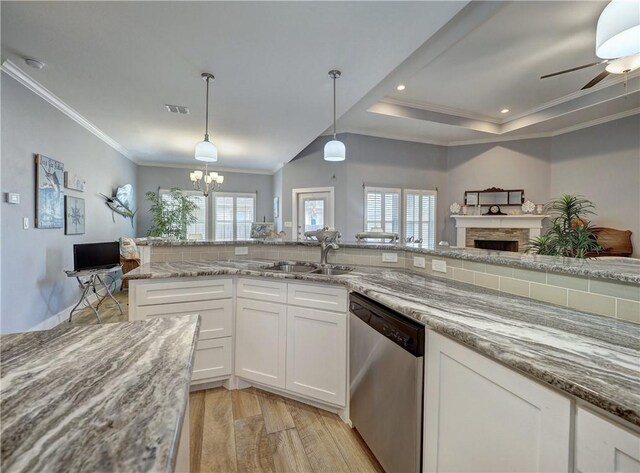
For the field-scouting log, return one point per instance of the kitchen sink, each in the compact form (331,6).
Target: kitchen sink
(329,271)
(290,267)
(308,268)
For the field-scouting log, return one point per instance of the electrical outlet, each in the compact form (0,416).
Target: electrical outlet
(389,257)
(242,250)
(439,265)
(25,223)
(13,198)
(419,261)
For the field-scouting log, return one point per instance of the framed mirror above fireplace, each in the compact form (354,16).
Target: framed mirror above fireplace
(494,196)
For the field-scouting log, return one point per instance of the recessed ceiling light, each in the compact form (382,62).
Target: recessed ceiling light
(31,62)
(401,87)
(504,110)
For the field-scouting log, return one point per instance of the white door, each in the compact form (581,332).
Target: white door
(261,337)
(602,446)
(317,354)
(483,417)
(314,212)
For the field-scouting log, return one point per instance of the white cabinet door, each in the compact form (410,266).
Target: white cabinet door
(261,333)
(317,297)
(213,359)
(189,290)
(602,446)
(262,290)
(482,416)
(317,354)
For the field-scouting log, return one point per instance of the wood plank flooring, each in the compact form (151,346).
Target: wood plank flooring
(109,312)
(251,430)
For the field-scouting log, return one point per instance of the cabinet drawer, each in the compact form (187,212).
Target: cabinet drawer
(216,317)
(317,297)
(261,290)
(213,359)
(187,291)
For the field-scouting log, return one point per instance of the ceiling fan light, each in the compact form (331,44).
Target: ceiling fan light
(625,64)
(618,30)
(206,151)
(334,150)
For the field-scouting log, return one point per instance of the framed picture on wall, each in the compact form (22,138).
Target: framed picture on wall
(74,215)
(49,193)
(75,182)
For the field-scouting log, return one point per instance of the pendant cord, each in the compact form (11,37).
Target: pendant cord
(206,120)
(334,107)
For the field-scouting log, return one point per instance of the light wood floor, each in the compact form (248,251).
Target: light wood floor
(109,312)
(250,430)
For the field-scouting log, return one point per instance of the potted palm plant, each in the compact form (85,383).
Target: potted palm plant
(570,233)
(171,214)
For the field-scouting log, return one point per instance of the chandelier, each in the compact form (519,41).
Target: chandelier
(206,181)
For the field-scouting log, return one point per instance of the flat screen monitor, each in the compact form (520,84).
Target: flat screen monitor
(96,255)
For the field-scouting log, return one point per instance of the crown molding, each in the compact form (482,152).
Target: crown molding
(199,164)
(34,86)
(442,109)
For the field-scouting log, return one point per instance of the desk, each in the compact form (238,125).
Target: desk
(93,280)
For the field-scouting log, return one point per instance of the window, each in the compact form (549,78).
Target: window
(197,230)
(382,209)
(233,214)
(420,216)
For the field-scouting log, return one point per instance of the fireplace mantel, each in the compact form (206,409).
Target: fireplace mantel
(533,223)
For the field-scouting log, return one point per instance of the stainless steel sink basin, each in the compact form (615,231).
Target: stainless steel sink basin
(329,271)
(290,267)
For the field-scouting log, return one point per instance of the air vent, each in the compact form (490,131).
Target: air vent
(181,109)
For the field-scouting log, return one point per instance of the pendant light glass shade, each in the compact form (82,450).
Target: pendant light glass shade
(206,151)
(334,150)
(618,30)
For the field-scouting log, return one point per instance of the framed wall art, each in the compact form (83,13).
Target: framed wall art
(49,193)
(74,215)
(75,182)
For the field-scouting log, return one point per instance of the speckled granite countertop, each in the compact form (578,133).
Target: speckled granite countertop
(96,397)
(615,269)
(594,358)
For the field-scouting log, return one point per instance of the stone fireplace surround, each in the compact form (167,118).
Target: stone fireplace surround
(520,228)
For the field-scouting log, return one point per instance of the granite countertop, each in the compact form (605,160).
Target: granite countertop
(96,397)
(617,269)
(592,357)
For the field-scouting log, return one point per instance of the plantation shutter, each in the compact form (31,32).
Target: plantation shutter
(198,229)
(420,216)
(233,216)
(382,209)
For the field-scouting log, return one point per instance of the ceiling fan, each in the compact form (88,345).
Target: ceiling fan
(622,65)
(617,41)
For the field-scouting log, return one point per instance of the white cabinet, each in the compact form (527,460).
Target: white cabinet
(262,290)
(317,297)
(213,359)
(602,446)
(261,333)
(317,354)
(187,290)
(482,416)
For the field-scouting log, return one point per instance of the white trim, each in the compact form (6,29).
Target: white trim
(431,107)
(60,317)
(420,192)
(34,86)
(234,195)
(294,207)
(390,190)
(198,165)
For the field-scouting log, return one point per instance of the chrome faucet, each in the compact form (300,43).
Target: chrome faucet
(325,247)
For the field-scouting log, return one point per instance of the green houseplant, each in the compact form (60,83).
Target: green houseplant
(570,233)
(171,214)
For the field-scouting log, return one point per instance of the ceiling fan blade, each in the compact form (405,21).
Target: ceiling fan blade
(573,69)
(596,79)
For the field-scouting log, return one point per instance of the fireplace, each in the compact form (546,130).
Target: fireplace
(500,245)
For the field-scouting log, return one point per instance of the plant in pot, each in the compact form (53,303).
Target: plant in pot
(171,214)
(570,233)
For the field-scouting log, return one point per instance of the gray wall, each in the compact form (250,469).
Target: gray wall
(152,178)
(522,164)
(603,164)
(371,161)
(34,286)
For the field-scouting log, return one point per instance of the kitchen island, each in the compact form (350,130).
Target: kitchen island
(107,397)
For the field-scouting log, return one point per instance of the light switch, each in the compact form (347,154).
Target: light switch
(242,250)
(419,261)
(25,223)
(389,257)
(13,198)
(439,265)
(288,224)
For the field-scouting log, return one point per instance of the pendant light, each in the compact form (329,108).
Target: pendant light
(618,30)
(205,150)
(334,150)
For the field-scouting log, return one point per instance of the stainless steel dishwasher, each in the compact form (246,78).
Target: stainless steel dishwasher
(386,372)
